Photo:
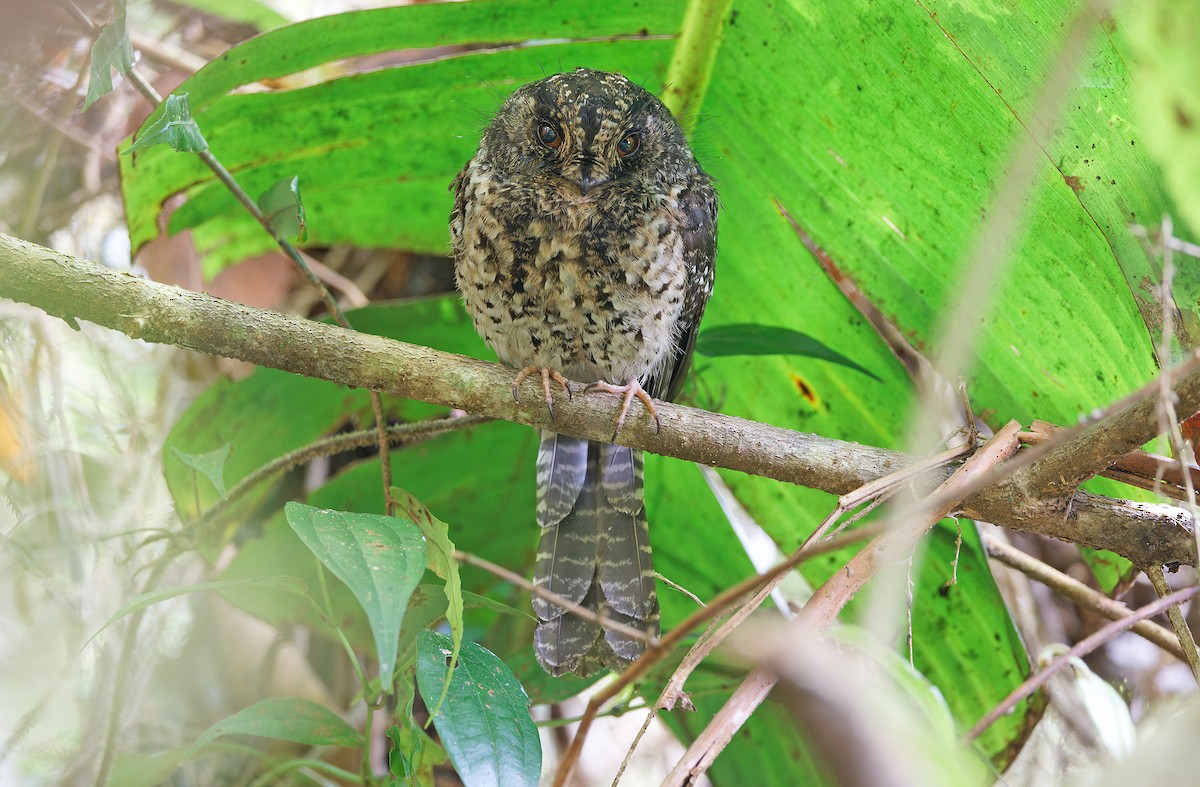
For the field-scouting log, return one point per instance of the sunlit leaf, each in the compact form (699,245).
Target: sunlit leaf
(247,12)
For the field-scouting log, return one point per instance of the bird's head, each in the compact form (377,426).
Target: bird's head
(584,128)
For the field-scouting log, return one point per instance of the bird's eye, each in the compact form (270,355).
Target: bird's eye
(629,144)
(549,136)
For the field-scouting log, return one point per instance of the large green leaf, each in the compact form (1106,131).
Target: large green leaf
(484,721)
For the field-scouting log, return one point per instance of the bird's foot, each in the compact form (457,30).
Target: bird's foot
(547,375)
(629,391)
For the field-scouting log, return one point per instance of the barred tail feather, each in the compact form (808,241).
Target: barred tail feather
(597,555)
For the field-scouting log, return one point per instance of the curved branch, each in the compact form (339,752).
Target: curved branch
(74,289)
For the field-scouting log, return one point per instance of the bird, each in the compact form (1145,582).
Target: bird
(584,234)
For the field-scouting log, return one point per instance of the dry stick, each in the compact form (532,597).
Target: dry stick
(1080,594)
(1081,648)
(1186,642)
(1168,422)
(1168,417)
(656,651)
(1138,468)
(852,500)
(830,598)
(74,290)
(658,705)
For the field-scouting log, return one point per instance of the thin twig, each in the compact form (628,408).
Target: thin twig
(879,486)
(1187,642)
(1081,648)
(1168,418)
(1079,594)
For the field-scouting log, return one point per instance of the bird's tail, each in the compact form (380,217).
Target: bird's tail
(594,551)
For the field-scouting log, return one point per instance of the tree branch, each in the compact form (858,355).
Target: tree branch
(75,289)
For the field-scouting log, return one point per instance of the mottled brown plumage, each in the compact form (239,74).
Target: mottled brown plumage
(584,238)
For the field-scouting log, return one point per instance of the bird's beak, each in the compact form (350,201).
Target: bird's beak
(591,181)
(590,176)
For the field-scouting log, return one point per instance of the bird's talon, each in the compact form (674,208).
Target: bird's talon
(629,391)
(547,375)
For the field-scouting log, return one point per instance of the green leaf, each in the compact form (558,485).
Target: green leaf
(484,722)
(175,127)
(284,719)
(475,600)
(441,562)
(111,50)
(246,12)
(1164,64)
(284,209)
(351,140)
(413,754)
(750,339)
(381,559)
(1163,35)
(140,770)
(290,585)
(542,687)
(211,465)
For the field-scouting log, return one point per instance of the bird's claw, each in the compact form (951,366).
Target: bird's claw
(628,392)
(547,375)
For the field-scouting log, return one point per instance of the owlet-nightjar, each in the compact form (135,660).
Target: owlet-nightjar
(584,237)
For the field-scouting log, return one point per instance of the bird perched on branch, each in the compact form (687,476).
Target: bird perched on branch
(584,237)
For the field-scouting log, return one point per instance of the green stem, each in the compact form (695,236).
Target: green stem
(692,62)
(272,776)
(332,621)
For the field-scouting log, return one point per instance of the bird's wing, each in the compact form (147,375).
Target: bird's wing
(698,205)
